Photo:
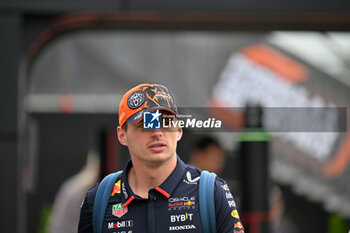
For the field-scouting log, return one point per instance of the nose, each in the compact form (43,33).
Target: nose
(156,132)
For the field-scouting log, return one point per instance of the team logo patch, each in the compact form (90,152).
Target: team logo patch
(229,196)
(231,203)
(238,225)
(118,210)
(180,228)
(225,187)
(239,231)
(181,217)
(234,214)
(124,191)
(182,203)
(189,179)
(116,188)
(120,224)
(136,99)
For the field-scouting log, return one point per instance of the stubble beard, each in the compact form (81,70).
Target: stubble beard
(155,160)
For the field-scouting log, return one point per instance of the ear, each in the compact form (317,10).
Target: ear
(179,133)
(122,136)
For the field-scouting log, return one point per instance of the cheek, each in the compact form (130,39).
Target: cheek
(173,140)
(136,143)
(131,141)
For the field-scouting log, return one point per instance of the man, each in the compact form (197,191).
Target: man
(156,192)
(207,154)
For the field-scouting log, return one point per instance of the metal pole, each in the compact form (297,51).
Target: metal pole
(254,171)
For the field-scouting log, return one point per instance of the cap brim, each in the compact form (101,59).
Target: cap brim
(137,117)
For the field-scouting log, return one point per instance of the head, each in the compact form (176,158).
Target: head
(207,154)
(150,146)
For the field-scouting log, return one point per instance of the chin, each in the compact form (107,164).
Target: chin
(160,157)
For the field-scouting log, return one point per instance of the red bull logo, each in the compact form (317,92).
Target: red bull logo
(181,203)
(238,225)
(176,204)
(116,188)
(189,203)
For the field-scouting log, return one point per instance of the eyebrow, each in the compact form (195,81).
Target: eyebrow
(139,123)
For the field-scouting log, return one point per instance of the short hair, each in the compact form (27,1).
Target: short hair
(205,142)
(125,126)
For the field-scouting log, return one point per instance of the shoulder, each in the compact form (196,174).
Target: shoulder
(221,183)
(90,196)
(91,193)
(192,169)
(221,186)
(192,174)
(223,195)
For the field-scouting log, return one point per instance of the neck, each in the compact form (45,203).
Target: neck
(142,178)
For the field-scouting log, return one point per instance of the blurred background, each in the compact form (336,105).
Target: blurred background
(65,65)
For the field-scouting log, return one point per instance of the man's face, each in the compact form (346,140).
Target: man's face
(150,146)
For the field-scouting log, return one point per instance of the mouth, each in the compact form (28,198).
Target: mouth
(157,147)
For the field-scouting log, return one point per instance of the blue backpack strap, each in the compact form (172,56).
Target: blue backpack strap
(207,202)
(101,200)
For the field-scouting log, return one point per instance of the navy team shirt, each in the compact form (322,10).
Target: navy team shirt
(171,207)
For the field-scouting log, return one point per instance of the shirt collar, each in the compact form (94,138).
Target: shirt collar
(166,188)
(127,194)
(169,185)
